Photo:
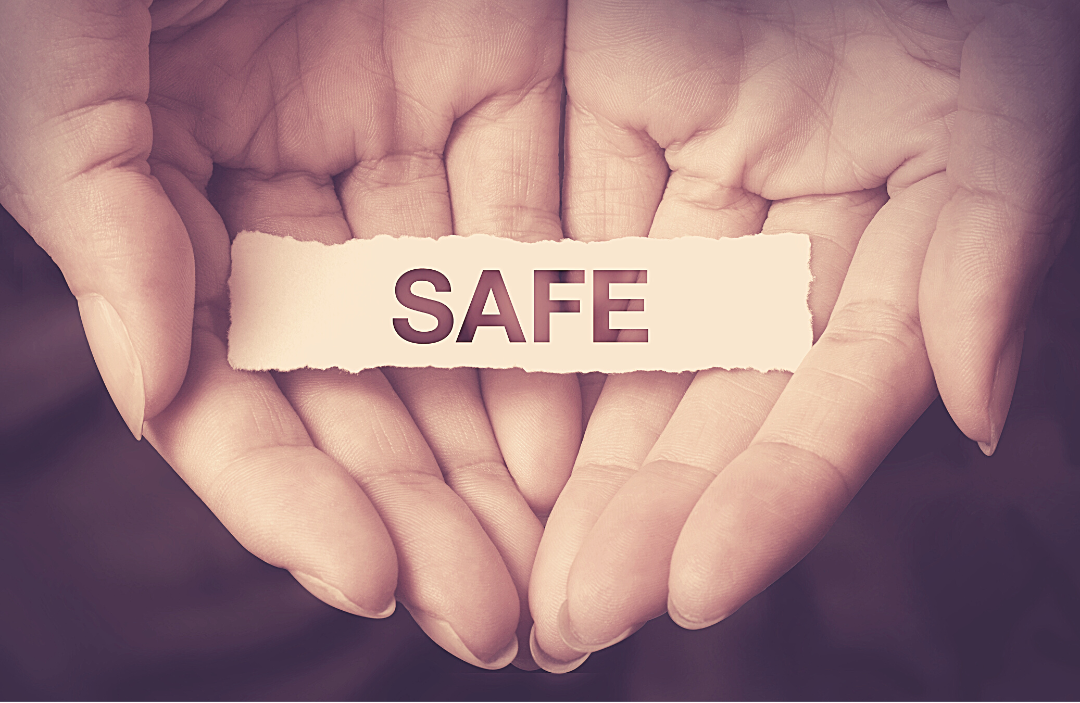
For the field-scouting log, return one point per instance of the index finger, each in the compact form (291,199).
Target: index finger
(858,390)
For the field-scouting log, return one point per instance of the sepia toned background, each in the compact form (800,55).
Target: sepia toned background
(951,575)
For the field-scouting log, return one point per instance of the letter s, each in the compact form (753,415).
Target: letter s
(442,314)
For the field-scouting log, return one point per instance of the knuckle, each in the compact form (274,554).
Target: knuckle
(603,474)
(873,322)
(810,473)
(457,475)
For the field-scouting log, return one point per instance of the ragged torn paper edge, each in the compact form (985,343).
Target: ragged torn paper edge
(708,303)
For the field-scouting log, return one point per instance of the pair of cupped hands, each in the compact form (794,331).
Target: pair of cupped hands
(925,147)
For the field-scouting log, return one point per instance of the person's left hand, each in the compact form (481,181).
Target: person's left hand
(725,120)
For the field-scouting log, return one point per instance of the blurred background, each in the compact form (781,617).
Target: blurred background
(951,575)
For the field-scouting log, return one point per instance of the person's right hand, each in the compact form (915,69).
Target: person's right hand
(318,121)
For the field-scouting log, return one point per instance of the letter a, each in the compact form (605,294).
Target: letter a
(491,282)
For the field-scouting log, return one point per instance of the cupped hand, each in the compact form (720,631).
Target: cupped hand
(316,120)
(919,145)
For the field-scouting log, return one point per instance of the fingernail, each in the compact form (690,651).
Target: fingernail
(446,637)
(549,663)
(688,623)
(334,596)
(116,359)
(573,641)
(1001,392)
(524,660)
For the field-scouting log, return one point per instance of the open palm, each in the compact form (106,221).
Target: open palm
(328,121)
(317,120)
(864,124)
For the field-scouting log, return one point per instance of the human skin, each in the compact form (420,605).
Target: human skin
(796,116)
(927,150)
(318,121)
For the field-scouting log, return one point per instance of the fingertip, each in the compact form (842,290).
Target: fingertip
(116,359)
(980,412)
(1001,393)
(446,636)
(329,537)
(981,272)
(524,659)
(690,620)
(549,663)
(573,640)
(131,267)
(334,596)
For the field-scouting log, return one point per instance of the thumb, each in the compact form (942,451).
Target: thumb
(1012,169)
(75,134)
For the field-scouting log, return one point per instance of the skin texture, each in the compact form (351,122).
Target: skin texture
(318,121)
(924,148)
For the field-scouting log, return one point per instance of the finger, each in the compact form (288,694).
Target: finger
(503,169)
(614,178)
(460,436)
(300,205)
(620,576)
(628,417)
(234,439)
(405,193)
(451,577)
(337,547)
(306,207)
(402,192)
(537,420)
(591,385)
(502,161)
(695,202)
(75,134)
(861,386)
(1012,174)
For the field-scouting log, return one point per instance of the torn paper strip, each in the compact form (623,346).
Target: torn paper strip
(625,305)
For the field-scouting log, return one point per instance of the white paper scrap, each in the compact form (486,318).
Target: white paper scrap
(629,304)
